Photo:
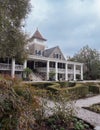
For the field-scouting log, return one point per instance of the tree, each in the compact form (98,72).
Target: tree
(91,59)
(12,38)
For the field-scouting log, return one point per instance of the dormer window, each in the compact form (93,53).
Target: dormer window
(38,52)
(57,56)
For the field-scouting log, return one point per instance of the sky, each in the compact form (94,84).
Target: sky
(69,24)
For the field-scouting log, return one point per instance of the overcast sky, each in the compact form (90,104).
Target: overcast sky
(70,24)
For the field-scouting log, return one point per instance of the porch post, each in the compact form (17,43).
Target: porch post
(82,72)
(74,72)
(56,71)
(47,70)
(25,64)
(66,72)
(13,68)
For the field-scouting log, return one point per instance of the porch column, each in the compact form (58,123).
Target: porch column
(82,72)
(47,70)
(25,64)
(66,72)
(56,71)
(13,68)
(74,72)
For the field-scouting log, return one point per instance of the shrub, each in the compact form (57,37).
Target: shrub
(63,84)
(79,90)
(52,75)
(15,111)
(71,84)
(94,89)
(54,87)
(27,71)
(41,85)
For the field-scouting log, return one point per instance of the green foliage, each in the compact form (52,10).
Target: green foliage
(12,39)
(55,87)
(22,108)
(71,84)
(63,84)
(90,58)
(42,85)
(79,90)
(80,125)
(16,106)
(94,108)
(95,89)
(52,75)
(26,73)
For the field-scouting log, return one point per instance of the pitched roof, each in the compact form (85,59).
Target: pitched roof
(37,35)
(48,52)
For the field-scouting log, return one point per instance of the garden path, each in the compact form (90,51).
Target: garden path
(91,117)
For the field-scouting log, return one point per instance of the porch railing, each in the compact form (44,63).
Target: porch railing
(19,67)
(70,71)
(4,66)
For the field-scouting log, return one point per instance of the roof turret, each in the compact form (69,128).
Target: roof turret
(38,35)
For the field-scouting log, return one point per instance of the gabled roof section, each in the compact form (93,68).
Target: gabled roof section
(37,35)
(51,51)
(48,52)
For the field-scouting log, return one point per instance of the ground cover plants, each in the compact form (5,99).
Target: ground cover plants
(94,108)
(78,90)
(29,107)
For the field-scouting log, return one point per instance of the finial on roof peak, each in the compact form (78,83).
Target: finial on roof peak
(38,35)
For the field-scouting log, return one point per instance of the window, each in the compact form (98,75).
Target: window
(38,52)
(56,55)
(59,56)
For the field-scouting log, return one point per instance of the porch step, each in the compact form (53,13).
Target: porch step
(35,77)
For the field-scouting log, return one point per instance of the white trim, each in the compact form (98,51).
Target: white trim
(13,68)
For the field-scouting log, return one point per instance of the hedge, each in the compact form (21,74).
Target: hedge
(79,91)
(64,84)
(94,89)
(54,87)
(41,85)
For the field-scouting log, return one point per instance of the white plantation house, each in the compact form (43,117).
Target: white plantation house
(42,61)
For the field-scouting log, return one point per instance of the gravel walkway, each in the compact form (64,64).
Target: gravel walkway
(86,115)
(90,117)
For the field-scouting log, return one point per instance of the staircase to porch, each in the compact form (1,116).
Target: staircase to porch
(36,77)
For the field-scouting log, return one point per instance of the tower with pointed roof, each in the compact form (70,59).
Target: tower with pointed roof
(37,43)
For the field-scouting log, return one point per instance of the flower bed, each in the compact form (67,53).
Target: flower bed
(94,108)
(57,122)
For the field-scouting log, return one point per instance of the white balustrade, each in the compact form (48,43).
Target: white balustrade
(19,67)
(4,66)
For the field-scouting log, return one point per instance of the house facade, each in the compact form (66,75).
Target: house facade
(45,61)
